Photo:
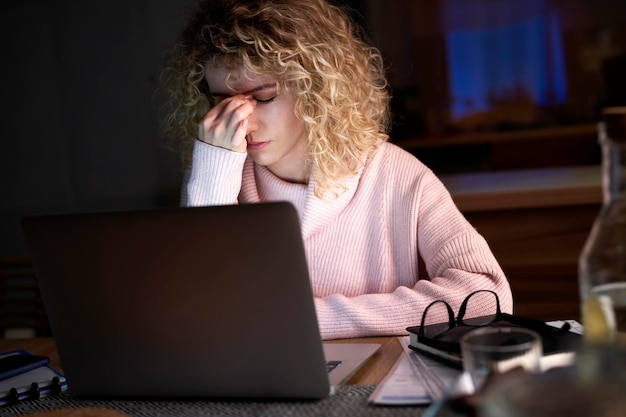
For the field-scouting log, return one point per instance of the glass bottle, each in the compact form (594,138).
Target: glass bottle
(602,263)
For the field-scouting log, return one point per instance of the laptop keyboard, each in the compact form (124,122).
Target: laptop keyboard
(330,365)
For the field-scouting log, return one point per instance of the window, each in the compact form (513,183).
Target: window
(502,52)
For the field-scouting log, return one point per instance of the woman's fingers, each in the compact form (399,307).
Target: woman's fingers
(225,125)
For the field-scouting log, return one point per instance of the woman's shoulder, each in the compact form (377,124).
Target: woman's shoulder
(393,170)
(392,158)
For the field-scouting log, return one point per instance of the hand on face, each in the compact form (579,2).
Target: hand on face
(226,124)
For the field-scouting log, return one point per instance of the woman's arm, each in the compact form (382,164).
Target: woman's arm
(215,176)
(468,266)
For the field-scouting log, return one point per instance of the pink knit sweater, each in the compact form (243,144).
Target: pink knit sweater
(363,246)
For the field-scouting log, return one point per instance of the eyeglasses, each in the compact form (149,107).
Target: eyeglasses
(476,301)
(440,329)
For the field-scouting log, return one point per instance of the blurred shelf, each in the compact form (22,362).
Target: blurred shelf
(524,135)
(541,187)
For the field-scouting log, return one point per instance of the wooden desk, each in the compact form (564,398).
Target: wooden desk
(43,346)
(371,373)
(379,365)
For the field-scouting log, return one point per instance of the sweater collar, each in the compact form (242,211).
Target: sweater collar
(318,212)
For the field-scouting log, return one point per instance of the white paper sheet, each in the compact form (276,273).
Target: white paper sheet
(414,379)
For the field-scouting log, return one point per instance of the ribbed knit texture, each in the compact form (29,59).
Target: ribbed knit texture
(363,246)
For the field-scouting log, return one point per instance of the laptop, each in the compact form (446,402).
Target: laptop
(206,302)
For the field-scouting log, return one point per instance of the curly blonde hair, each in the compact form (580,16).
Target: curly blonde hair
(314,51)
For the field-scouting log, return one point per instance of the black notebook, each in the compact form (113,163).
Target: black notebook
(446,348)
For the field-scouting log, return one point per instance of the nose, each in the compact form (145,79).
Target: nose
(253,121)
(253,127)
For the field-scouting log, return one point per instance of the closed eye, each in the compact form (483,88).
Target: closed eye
(265,101)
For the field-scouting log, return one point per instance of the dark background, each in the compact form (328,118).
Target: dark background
(79,121)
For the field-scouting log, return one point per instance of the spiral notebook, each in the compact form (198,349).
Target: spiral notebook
(185,302)
(31,384)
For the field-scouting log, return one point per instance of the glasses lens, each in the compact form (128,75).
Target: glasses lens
(481,309)
(436,319)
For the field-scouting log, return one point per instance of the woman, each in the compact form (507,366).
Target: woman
(281,100)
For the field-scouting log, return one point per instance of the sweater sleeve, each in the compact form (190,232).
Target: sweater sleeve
(215,177)
(463,271)
(458,261)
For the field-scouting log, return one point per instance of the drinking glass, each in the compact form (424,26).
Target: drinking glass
(499,349)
